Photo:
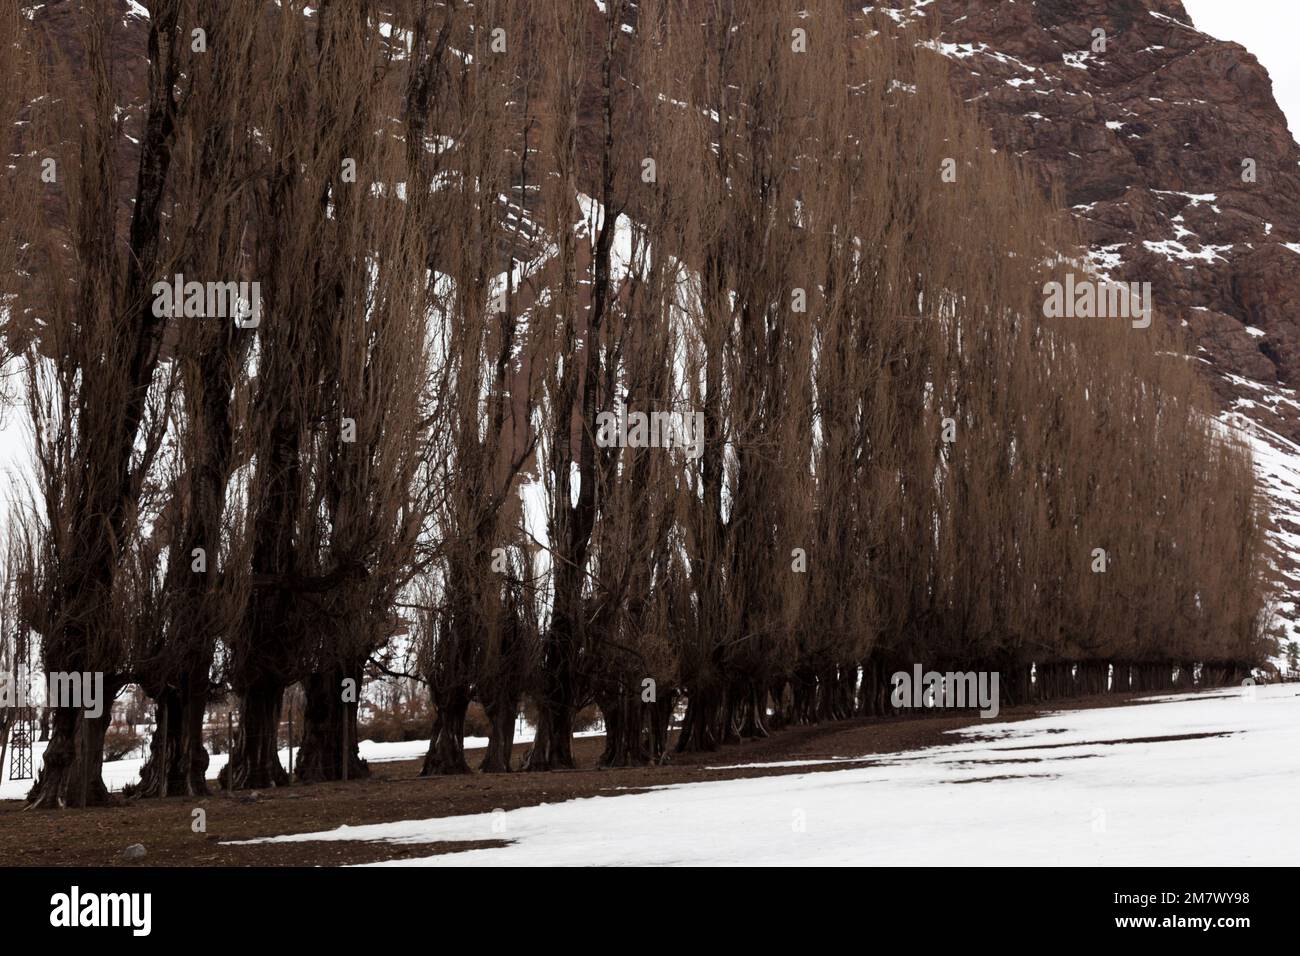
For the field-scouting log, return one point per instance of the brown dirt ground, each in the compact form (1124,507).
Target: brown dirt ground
(394,791)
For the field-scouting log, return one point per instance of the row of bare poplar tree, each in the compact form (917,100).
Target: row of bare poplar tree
(474,229)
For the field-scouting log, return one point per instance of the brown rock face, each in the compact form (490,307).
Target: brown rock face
(1179,167)
(1171,151)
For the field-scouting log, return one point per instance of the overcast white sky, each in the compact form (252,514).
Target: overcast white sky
(1270,29)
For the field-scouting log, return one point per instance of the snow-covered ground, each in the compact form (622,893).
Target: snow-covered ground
(1072,788)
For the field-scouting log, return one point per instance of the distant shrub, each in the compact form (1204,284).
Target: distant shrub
(586,719)
(121,741)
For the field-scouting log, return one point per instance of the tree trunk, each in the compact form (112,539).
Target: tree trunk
(804,688)
(824,706)
(729,713)
(1013,681)
(447,742)
(623,744)
(553,746)
(255,759)
(6,721)
(661,718)
(636,731)
(179,742)
(753,707)
(781,706)
(502,713)
(326,717)
(868,705)
(697,725)
(72,770)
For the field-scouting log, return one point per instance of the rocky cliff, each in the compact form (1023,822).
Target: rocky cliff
(1172,154)
(1174,157)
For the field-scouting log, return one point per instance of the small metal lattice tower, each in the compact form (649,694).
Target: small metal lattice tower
(20,746)
(23,731)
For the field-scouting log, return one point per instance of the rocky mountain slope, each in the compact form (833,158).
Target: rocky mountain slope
(1175,159)
(1147,141)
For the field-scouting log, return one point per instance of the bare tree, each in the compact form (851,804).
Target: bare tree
(489,346)
(320,103)
(96,413)
(206,578)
